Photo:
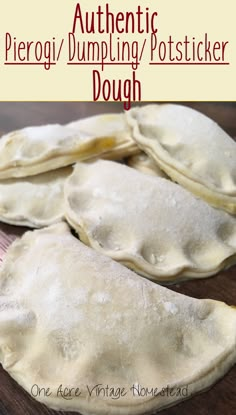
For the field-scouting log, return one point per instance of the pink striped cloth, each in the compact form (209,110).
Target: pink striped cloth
(7,235)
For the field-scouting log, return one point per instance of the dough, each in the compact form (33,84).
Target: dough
(72,317)
(34,201)
(191,148)
(150,224)
(145,164)
(109,124)
(35,150)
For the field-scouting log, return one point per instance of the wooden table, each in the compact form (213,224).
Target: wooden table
(221,398)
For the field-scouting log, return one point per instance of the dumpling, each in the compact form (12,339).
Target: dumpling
(114,125)
(191,148)
(85,327)
(150,224)
(34,201)
(35,150)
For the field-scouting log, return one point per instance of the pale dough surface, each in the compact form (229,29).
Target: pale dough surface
(145,164)
(71,316)
(34,201)
(35,150)
(114,125)
(150,224)
(191,148)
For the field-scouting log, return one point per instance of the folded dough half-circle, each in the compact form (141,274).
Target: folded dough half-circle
(34,201)
(191,148)
(73,319)
(35,150)
(150,224)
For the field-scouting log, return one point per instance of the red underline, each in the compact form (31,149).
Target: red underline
(30,63)
(102,63)
(189,63)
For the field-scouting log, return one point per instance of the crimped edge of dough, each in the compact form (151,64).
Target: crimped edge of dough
(142,267)
(32,223)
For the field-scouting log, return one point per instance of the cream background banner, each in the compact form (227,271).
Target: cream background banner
(28,20)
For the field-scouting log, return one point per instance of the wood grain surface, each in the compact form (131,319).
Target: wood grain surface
(219,399)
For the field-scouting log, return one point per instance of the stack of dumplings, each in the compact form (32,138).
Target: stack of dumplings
(148,193)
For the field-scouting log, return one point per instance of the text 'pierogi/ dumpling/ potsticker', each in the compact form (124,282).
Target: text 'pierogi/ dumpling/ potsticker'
(35,150)
(71,316)
(34,201)
(150,224)
(191,148)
